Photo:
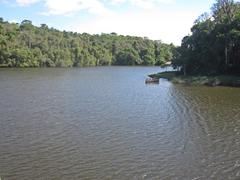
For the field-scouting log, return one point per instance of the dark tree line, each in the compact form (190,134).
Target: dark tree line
(214,44)
(25,45)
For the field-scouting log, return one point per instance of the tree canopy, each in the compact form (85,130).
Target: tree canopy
(26,45)
(214,44)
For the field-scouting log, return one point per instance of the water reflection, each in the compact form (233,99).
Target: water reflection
(105,123)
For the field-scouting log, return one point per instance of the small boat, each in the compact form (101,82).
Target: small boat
(151,80)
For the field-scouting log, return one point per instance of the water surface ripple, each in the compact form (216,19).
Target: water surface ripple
(105,123)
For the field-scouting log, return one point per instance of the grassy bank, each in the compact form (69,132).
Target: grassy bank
(220,80)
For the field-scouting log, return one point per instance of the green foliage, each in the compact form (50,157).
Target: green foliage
(214,45)
(216,80)
(25,45)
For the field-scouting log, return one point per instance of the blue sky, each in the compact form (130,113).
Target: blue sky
(166,20)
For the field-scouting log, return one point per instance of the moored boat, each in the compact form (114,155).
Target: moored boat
(151,80)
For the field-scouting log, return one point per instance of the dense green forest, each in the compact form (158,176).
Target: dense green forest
(25,45)
(214,44)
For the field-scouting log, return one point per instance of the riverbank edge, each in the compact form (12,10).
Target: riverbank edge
(220,80)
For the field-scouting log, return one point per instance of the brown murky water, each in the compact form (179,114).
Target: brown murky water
(105,123)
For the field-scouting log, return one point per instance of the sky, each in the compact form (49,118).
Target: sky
(165,20)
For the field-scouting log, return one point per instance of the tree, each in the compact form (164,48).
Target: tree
(26,45)
(224,11)
(213,47)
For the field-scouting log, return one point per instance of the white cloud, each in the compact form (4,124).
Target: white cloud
(146,4)
(149,4)
(97,7)
(63,7)
(143,3)
(67,7)
(117,2)
(26,2)
(168,26)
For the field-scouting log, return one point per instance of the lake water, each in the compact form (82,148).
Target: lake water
(105,123)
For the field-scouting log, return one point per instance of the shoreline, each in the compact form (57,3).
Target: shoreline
(218,80)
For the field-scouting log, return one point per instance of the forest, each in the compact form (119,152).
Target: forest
(213,47)
(26,45)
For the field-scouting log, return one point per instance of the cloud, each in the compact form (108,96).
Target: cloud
(26,2)
(169,26)
(143,3)
(68,7)
(117,2)
(146,4)
(149,4)
(97,7)
(63,7)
